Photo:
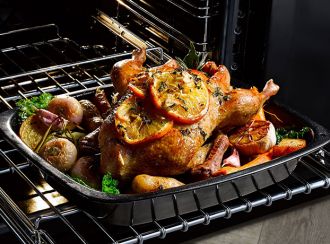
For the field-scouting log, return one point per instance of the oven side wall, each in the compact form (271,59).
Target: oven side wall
(298,55)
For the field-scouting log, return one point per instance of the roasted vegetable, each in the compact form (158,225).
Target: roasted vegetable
(260,159)
(256,137)
(214,159)
(89,143)
(303,133)
(110,185)
(233,160)
(27,107)
(50,119)
(147,183)
(59,152)
(287,146)
(66,107)
(32,131)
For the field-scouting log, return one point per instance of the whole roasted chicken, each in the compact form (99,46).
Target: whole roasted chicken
(161,127)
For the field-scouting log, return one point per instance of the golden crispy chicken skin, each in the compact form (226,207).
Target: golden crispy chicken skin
(124,70)
(171,154)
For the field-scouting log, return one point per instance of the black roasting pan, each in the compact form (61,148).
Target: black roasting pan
(135,209)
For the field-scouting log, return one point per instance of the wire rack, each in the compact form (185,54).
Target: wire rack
(34,212)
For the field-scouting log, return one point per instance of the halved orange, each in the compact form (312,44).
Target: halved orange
(258,136)
(180,96)
(136,124)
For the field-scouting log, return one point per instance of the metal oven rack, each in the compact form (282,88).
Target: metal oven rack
(31,211)
(310,175)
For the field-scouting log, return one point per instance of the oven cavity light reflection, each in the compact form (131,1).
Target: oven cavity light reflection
(35,203)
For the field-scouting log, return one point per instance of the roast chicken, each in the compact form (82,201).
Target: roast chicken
(176,152)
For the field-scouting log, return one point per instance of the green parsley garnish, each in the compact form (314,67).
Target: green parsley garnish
(27,107)
(282,133)
(110,185)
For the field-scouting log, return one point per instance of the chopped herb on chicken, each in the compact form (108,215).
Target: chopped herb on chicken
(162,86)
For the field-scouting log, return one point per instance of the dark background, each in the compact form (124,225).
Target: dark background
(290,42)
(298,55)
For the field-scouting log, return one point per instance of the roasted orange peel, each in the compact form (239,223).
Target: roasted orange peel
(136,124)
(139,84)
(180,96)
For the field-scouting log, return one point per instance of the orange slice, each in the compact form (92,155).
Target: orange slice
(180,96)
(136,124)
(139,85)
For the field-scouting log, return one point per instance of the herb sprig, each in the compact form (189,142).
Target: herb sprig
(193,59)
(282,133)
(110,185)
(27,107)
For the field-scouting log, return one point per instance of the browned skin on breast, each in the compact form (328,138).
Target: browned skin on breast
(124,70)
(171,154)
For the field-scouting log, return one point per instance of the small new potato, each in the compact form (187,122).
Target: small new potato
(147,183)
(59,152)
(67,107)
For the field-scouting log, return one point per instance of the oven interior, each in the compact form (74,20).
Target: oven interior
(63,47)
(232,32)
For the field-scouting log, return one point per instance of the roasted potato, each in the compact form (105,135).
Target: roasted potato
(147,183)
(59,152)
(31,131)
(287,146)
